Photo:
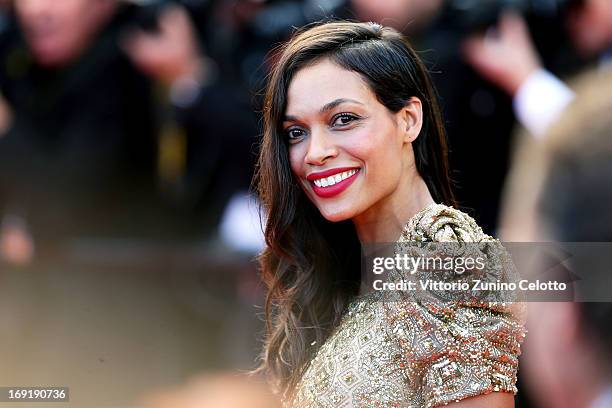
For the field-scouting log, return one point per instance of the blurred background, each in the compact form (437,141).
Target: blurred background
(128,136)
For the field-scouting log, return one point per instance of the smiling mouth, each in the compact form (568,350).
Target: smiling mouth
(333,180)
(333,184)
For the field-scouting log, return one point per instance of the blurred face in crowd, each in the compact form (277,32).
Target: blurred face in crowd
(590,26)
(59,31)
(349,152)
(403,15)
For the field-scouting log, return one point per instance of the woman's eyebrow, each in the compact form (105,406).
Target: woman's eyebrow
(331,105)
(327,107)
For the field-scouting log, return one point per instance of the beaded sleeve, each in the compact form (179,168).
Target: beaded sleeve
(455,350)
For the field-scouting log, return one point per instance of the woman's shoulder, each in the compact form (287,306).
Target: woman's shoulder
(455,344)
(442,223)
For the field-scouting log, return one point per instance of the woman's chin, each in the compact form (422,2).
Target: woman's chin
(337,215)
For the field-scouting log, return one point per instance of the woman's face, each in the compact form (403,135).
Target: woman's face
(348,151)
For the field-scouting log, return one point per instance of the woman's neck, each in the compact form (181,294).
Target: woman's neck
(385,221)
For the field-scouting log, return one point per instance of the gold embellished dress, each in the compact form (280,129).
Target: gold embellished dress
(415,354)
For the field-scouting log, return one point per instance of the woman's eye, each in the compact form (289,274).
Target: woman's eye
(294,134)
(344,119)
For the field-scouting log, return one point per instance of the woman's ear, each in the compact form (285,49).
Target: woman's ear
(411,119)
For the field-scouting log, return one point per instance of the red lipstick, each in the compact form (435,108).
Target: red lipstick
(338,187)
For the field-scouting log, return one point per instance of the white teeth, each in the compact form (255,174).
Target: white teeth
(336,178)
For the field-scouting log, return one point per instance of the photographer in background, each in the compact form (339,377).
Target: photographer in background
(508,59)
(478,114)
(121,125)
(210,125)
(78,157)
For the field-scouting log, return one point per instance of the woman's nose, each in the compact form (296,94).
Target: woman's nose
(321,148)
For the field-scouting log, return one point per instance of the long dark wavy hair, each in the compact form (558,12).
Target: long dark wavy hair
(311,266)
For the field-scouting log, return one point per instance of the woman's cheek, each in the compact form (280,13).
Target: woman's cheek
(359,145)
(296,160)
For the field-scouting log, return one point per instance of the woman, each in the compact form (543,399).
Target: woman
(354,152)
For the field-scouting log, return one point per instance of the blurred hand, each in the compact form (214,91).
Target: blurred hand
(171,53)
(16,243)
(506,55)
(6,116)
(214,391)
